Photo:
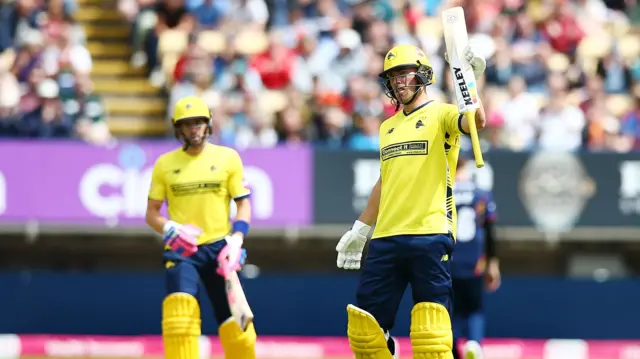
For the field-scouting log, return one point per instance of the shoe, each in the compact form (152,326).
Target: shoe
(394,347)
(472,350)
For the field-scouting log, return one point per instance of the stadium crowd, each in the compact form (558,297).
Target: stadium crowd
(45,73)
(561,74)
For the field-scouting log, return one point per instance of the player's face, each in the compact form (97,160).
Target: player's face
(404,83)
(194,131)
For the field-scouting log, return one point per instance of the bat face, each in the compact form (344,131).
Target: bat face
(238,305)
(466,90)
(456,40)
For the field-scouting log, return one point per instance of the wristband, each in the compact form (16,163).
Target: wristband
(240,226)
(359,226)
(168,226)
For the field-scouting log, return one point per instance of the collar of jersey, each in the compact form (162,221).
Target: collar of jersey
(207,147)
(417,108)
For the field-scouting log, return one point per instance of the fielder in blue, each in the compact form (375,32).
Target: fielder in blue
(474,265)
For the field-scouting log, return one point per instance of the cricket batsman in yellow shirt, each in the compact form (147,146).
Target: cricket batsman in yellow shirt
(413,210)
(198,182)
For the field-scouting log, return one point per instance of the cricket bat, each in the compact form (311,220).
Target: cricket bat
(456,39)
(240,310)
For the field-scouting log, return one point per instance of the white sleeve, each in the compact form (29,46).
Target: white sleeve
(576,119)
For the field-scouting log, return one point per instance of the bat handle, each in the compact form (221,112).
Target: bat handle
(475,141)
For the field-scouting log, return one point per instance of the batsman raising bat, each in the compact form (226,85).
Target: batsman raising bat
(198,182)
(413,210)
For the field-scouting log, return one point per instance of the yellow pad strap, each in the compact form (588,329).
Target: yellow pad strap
(431,335)
(181,326)
(237,343)
(366,338)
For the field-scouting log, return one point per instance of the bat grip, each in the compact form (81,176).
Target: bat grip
(475,140)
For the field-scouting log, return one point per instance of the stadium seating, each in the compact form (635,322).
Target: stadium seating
(286,57)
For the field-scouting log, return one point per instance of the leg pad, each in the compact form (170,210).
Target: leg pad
(431,335)
(366,338)
(236,342)
(181,326)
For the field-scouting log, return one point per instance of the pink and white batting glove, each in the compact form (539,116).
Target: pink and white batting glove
(232,256)
(183,239)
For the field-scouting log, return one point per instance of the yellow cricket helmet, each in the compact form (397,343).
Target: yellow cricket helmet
(403,56)
(190,107)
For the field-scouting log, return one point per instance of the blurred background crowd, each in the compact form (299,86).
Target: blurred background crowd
(561,74)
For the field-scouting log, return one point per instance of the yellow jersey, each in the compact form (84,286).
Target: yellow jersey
(198,189)
(418,152)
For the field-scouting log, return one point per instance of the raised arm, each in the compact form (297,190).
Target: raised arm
(480,118)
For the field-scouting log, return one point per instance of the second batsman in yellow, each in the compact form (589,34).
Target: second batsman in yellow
(413,209)
(198,182)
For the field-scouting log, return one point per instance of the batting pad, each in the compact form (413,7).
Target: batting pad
(237,343)
(181,326)
(366,338)
(431,335)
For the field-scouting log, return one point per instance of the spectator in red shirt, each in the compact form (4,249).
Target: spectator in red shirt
(562,29)
(276,65)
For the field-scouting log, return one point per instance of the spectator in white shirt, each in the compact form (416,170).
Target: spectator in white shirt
(561,124)
(521,113)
